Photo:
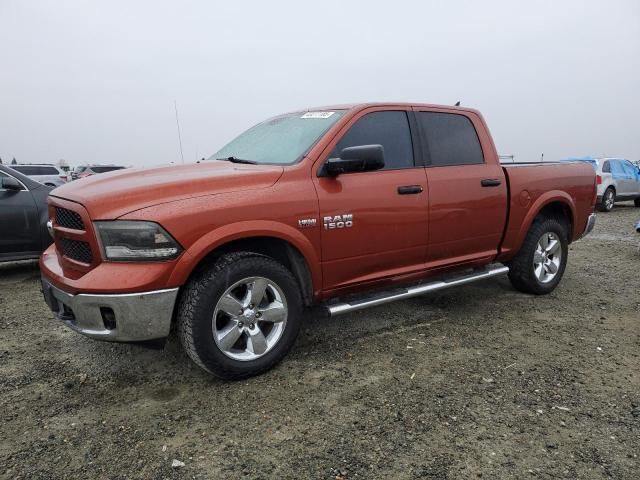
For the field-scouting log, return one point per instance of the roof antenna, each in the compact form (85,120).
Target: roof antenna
(175,105)
(457,103)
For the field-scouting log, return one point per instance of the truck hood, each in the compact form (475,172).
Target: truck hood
(110,195)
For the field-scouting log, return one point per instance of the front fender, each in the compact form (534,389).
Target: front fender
(243,230)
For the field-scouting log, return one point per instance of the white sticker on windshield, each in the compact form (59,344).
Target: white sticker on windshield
(317,114)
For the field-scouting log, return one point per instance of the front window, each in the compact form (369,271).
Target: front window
(281,140)
(387,128)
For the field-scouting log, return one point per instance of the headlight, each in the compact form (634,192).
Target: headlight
(124,240)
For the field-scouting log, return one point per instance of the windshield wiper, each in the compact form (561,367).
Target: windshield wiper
(238,160)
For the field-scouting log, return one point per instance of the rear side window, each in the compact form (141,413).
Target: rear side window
(606,167)
(616,167)
(451,139)
(26,170)
(35,170)
(389,129)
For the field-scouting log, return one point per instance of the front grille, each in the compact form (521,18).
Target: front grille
(76,250)
(69,219)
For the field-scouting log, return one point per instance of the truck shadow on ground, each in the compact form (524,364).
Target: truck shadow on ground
(322,338)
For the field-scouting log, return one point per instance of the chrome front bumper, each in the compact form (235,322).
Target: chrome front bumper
(591,222)
(127,317)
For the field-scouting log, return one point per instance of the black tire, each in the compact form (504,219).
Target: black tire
(605,205)
(198,303)
(521,268)
(636,202)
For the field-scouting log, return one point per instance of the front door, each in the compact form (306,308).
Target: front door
(374,224)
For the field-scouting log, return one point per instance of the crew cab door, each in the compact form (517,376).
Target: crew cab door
(374,224)
(467,187)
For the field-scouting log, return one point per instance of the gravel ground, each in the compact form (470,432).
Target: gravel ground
(480,381)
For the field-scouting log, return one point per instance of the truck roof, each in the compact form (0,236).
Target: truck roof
(360,106)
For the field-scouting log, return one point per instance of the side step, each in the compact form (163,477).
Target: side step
(351,306)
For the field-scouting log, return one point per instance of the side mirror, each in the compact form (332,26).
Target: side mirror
(362,158)
(10,183)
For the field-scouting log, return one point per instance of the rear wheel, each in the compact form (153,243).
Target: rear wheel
(539,265)
(241,316)
(608,200)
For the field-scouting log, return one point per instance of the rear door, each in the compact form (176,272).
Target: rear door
(374,224)
(467,188)
(620,180)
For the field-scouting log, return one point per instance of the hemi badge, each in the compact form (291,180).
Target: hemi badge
(307,222)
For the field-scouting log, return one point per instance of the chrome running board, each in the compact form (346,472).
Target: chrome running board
(353,305)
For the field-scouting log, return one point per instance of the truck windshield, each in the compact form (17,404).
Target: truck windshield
(281,140)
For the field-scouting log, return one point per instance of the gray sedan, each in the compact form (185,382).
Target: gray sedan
(23,216)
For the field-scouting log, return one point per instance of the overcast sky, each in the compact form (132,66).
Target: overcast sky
(95,82)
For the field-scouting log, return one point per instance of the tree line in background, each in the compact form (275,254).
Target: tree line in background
(62,162)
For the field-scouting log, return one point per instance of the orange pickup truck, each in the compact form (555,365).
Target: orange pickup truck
(346,207)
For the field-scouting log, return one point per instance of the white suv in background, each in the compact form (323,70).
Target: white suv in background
(47,174)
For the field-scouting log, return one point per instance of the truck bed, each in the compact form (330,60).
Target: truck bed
(531,185)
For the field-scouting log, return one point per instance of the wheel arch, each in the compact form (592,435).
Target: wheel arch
(555,204)
(280,242)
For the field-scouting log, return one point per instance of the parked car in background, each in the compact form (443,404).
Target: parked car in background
(618,180)
(46,174)
(23,216)
(87,170)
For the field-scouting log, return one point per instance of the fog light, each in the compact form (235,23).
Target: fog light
(50,227)
(108,318)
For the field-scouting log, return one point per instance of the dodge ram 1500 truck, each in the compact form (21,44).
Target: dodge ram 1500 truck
(345,207)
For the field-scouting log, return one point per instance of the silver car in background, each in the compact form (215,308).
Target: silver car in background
(618,180)
(49,175)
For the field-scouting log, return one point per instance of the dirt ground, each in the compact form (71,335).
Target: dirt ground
(479,381)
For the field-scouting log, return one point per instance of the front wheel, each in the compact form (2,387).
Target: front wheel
(241,316)
(539,265)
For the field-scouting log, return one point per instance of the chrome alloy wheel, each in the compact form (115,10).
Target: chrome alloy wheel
(609,199)
(249,318)
(547,257)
